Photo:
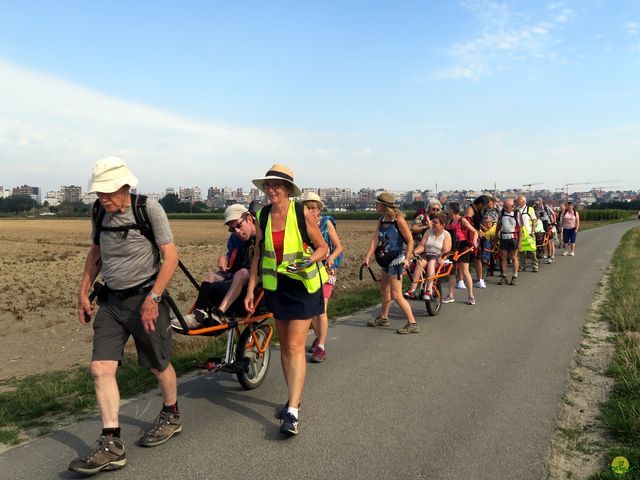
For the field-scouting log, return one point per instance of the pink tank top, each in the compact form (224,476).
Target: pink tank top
(569,220)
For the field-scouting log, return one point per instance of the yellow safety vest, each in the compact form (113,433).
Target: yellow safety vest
(313,277)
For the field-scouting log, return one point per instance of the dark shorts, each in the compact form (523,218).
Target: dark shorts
(291,301)
(508,244)
(569,235)
(117,319)
(467,257)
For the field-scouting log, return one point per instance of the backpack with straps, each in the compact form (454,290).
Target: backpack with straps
(324,229)
(139,208)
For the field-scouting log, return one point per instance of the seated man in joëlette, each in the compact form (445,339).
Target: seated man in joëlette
(220,290)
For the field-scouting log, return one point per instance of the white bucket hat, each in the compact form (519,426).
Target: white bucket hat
(234,212)
(279,172)
(109,175)
(312,197)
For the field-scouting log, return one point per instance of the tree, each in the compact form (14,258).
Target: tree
(170,203)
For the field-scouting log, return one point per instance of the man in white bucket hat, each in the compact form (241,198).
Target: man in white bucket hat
(131,304)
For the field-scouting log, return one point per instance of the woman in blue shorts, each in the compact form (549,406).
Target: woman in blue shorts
(388,244)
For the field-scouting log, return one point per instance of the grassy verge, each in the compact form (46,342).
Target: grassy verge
(37,403)
(621,413)
(589,224)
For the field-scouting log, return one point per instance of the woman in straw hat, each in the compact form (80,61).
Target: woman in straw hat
(292,279)
(320,324)
(388,243)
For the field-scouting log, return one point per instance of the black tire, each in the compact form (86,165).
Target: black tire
(256,371)
(433,305)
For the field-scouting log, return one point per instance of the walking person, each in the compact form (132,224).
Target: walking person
(463,237)
(528,245)
(570,227)
(326,223)
(131,304)
(292,279)
(509,233)
(388,246)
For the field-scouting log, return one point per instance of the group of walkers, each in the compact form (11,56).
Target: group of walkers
(293,251)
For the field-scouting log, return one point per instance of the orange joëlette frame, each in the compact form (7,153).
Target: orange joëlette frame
(249,319)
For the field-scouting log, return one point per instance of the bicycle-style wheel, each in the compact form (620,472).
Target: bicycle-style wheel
(249,349)
(433,305)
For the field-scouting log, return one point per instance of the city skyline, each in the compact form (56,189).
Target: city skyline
(463,94)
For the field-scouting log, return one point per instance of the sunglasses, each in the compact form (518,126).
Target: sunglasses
(272,185)
(237,225)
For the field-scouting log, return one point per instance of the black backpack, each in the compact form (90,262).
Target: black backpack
(139,207)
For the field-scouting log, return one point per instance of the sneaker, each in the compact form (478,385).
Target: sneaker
(196,319)
(282,411)
(461,286)
(480,284)
(471,301)
(565,253)
(409,328)
(107,454)
(313,346)
(410,294)
(166,425)
(319,354)
(448,299)
(378,322)
(426,296)
(573,254)
(549,260)
(544,256)
(534,269)
(289,424)
(514,281)
(502,281)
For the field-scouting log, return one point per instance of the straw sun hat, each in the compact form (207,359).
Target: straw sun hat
(109,175)
(279,172)
(312,197)
(387,199)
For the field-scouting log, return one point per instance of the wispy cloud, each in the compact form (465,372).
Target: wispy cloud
(507,37)
(52,130)
(632,28)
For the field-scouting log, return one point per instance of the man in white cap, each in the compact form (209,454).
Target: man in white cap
(131,304)
(221,289)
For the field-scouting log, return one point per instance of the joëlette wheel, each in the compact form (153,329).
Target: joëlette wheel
(433,305)
(253,376)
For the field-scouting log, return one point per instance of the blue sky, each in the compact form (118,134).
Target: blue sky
(398,95)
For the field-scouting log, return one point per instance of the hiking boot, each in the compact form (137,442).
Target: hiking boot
(502,281)
(378,322)
(319,354)
(410,294)
(409,328)
(480,284)
(461,286)
(107,454)
(165,426)
(289,425)
(514,281)
(448,299)
(312,347)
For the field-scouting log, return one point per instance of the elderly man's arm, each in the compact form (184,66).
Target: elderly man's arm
(149,309)
(91,270)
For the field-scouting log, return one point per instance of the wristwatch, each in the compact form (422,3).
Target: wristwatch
(155,297)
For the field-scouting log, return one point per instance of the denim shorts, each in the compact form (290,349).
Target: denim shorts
(395,270)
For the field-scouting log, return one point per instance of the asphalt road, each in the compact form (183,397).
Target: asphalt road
(474,396)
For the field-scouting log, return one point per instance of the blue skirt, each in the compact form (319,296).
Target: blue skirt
(291,301)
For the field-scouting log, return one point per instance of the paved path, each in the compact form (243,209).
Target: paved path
(475,396)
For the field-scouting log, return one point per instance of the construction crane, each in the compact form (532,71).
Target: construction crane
(568,184)
(531,184)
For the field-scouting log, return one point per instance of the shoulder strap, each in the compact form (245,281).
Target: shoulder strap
(97,214)
(302,223)
(139,205)
(264,218)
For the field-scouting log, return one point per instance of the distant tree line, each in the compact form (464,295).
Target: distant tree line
(633,205)
(172,204)
(17,204)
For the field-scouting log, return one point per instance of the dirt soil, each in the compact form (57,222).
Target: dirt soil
(41,261)
(579,443)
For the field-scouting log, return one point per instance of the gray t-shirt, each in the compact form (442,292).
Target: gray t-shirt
(127,262)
